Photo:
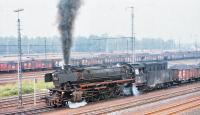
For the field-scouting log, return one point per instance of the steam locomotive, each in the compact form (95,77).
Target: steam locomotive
(94,83)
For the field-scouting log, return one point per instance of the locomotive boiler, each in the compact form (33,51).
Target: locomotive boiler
(89,83)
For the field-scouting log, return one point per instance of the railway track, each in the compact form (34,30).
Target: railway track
(130,103)
(26,76)
(127,103)
(11,75)
(177,107)
(16,97)
(11,104)
(31,111)
(11,80)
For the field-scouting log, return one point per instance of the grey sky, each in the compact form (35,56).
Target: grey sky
(153,18)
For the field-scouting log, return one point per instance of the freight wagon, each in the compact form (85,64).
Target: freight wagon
(29,65)
(40,64)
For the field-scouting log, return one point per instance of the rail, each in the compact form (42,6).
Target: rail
(10,104)
(177,107)
(132,103)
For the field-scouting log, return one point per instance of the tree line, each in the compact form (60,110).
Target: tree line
(31,45)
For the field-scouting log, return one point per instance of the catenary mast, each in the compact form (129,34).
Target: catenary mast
(19,76)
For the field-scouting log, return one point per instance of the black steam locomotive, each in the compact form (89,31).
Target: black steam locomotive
(93,83)
(97,82)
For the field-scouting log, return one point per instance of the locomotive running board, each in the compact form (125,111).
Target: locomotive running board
(85,86)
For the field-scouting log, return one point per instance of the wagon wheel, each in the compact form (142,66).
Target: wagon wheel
(118,92)
(96,97)
(102,96)
(91,97)
(111,93)
(54,104)
(49,103)
(57,103)
(106,96)
(56,99)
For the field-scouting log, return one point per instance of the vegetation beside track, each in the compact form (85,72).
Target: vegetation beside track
(27,87)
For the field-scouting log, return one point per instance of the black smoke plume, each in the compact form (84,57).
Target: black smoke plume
(67,11)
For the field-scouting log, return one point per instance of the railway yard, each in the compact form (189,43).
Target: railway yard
(39,62)
(100,57)
(166,102)
(7,77)
(175,100)
(12,77)
(179,99)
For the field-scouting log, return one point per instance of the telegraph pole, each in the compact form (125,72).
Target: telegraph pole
(132,34)
(196,50)
(7,47)
(179,45)
(19,59)
(28,47)
(127,48)
(45,49)
(45,52)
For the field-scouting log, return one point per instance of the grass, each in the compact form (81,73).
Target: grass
(27,88)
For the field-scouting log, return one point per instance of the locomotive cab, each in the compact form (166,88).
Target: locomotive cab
(139,73)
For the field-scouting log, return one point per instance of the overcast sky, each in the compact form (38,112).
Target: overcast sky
(179,19)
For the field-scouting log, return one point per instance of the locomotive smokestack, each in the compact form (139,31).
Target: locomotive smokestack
(67,11)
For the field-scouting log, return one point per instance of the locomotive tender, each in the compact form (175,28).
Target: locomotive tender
(93,83)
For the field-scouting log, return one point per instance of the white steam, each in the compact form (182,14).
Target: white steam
(127,91)
(76,104)
(135,90)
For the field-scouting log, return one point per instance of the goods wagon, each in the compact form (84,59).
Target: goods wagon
(185,72)
(29,65)
(8,66)
(39,64)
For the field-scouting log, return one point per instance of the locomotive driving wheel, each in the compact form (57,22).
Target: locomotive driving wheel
(118,91)
(97,96)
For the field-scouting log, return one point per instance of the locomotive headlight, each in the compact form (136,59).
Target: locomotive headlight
(63,92)
(55,77)
(136,71)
